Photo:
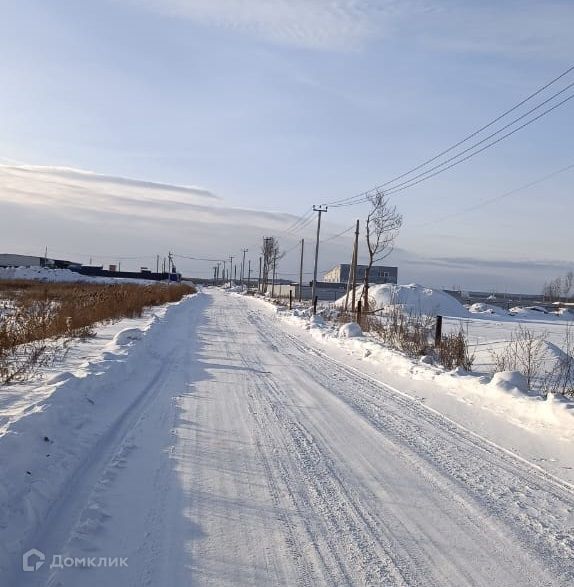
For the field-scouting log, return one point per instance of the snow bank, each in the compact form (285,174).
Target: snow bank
(128,336)
(66,419)
(531,313)
(481,308)
(416,299)
(316,321)
(504,394)
(61,275)
(350,330)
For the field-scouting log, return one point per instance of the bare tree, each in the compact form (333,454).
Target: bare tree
(382,228)
(567,284)
(270,253)
(559,288)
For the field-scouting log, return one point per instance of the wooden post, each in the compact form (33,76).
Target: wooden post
(301,268)
(354,268)
(438,332)
(290,298)
(359,312)
(315,305)
(259,279)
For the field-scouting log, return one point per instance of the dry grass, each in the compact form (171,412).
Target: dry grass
(36,317)
(413,334)
(453,351)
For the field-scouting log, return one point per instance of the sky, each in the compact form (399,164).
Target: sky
(129,128)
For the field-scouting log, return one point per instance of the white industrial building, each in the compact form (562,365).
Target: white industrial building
(378,274)
(11,260)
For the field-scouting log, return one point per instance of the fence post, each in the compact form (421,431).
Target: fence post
(359,308)
(315,305)
(290,298)
(438,332)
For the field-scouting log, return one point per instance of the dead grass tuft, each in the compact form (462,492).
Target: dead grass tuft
(36,317)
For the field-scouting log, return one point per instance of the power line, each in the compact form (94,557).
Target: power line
(361,197)
(487,146)
(428,174)
(488,201)
(295,246)
(491,135)
(338,235)
(198,258)
(300,220)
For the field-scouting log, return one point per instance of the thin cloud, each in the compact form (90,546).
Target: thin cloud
(318,24)
(64,189)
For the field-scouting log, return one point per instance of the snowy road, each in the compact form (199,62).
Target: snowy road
(252,458)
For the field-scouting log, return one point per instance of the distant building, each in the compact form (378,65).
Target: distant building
(10,260)
(13,260)
(378,274)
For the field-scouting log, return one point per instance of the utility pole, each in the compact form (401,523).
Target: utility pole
(319,210)
(243,266)
(249,275)
(273,278)
(301,269)
(157,263)
(170,261)
(259,280)
(354,267)
(230,269)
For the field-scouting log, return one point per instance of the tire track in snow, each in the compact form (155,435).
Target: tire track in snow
(535,508)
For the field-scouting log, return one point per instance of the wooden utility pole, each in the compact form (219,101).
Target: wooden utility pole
(273,278)
(243,267)
(351,268)
(259,280)
(438,332)
(354,267)
(319,210)
(249,275)
(301,269)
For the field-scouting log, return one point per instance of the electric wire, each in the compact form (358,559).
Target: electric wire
(428,175)
(361,197)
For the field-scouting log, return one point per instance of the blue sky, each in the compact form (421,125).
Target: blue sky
(275,105)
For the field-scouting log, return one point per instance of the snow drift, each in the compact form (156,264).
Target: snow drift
(61,276)
(416,299)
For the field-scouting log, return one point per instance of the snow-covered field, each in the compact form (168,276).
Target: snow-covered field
(488,328)
(223,442)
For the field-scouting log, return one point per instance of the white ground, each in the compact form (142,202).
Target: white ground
(224,446)
(62,276)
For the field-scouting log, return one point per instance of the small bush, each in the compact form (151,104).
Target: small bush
(35,317)
(560,380)
(526,353)
(453,352)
